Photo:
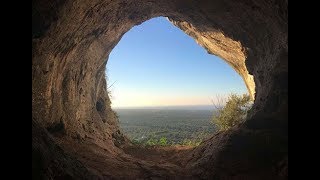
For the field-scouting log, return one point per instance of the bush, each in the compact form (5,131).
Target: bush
(191,142)
(233,113)
(151,142)
(163,141)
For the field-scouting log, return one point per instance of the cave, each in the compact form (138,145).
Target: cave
(71,41)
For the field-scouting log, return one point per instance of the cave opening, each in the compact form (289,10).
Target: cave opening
(164,87)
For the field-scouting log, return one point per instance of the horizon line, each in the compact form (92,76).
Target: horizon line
(162,106)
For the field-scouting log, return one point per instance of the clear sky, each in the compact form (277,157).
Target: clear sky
(157,64)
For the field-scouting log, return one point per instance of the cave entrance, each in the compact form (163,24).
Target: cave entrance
(71,41)
(164,86)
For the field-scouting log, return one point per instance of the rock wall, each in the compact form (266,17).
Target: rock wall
(215,42)
(71,41)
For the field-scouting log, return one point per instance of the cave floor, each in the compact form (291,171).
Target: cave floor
(131,161)
(157,154)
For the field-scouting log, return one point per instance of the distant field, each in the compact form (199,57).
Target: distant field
(177,125)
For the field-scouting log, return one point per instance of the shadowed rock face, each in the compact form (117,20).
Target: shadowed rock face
(71,41)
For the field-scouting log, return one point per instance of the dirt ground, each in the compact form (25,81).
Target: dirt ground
(130,161)
(158,154)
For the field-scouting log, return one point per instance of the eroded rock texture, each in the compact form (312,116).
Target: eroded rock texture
(71,41)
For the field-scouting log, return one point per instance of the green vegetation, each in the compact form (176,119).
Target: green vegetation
(163,141)
(233,113)
(150,142)
(166,127)
(192,142)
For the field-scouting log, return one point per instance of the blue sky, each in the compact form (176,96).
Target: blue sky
(157,64)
